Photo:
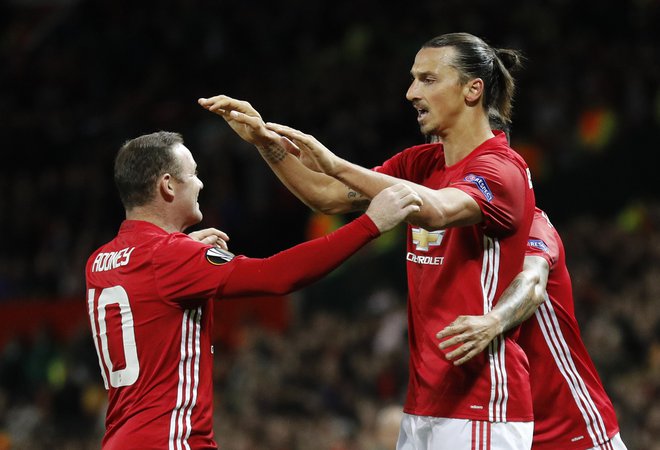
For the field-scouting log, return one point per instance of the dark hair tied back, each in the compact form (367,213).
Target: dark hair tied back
(511,59)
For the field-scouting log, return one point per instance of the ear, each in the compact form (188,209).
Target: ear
(473,91)
(166,187)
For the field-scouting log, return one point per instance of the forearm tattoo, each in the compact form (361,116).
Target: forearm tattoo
(358,201)
(272,153)
(518,306)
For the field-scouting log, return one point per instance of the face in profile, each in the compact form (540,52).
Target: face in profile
(435,91)
(187,186)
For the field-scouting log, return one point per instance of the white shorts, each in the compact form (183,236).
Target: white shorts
(613,444)
(439,433)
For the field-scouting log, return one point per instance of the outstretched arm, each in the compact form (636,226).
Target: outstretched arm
(442,208)
(305,263)
(317,190)
(517,303)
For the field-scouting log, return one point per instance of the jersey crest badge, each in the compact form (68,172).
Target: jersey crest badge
(424,239)
(218,256)
(538,243)
(481,184)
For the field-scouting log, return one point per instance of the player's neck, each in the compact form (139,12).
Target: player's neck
(462,139)
(155,215)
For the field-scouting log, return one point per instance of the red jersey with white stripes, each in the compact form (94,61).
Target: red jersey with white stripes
(571,408)
(149,296)
(463,270)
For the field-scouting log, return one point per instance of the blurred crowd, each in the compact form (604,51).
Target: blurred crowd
(335,377)
(79,77)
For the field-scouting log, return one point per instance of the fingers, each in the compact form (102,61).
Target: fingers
(295,135)
(462,333)
(457,336)
(206,232)
(414,199)
(289,132)
(211,236)
(410,209)
(222,104)
(464,353)
(471,354)
(405,194)
(214,240)
(289,146)
(449,330)
(250,120)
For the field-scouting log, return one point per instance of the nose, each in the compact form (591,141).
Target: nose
(411,94)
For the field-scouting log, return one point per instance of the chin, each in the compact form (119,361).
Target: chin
(427,131)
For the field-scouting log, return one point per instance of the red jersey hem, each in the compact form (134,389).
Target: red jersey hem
(582,444)
(527,418)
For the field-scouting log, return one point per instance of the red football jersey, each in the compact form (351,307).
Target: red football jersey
(149,296)
(571,408)
(463,270)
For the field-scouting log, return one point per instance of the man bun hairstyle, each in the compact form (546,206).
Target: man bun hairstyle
(476,59)
(140,162)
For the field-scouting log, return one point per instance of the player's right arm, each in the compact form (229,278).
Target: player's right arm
(518,303)
(317,190)
(305,263)
(187,270)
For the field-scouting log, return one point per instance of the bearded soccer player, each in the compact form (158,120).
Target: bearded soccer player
(150,293)
(465,245)
(572,411)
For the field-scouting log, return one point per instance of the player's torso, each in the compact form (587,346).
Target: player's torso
(454,272)
(155,355)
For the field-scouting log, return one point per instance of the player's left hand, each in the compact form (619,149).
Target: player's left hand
(392,205)
(473,333)
(211,236)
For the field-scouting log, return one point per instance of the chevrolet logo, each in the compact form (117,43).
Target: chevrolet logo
(423,239)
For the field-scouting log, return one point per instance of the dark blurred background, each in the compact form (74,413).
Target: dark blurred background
(324,368)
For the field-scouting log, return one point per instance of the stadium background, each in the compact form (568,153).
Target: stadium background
(316,369)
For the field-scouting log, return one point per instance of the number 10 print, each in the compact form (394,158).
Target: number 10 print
(115,295)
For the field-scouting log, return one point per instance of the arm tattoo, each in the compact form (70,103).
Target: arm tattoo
(519,310)
(358,202)
(516,304)
(273,154)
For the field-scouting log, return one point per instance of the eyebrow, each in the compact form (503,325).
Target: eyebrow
(421,73)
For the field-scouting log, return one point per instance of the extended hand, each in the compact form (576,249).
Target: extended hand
(211,236)
(241,117)
(392,205)
(474,333)
(319,157)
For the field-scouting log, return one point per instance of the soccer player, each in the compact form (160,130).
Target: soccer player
(150,293)
(464,246)
(571,408)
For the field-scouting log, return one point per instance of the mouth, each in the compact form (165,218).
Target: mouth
(421,113)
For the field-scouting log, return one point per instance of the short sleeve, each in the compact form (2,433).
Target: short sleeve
(543,240)
(500,187)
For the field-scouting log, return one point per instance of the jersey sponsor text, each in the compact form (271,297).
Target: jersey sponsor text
(428,260)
